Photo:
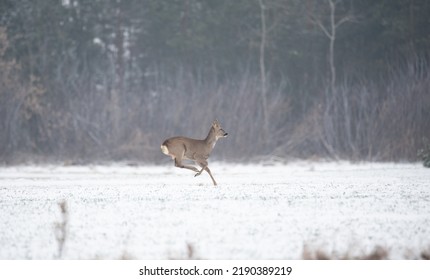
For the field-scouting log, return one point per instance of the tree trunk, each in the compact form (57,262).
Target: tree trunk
(263,71)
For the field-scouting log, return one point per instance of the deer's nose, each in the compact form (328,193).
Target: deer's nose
(225,134)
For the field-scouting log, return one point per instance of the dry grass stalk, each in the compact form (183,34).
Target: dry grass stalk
(61,228)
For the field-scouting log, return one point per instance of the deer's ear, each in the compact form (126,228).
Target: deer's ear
(215,122)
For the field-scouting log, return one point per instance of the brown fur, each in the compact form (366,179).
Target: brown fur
(179,148)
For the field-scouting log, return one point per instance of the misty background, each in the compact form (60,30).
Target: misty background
(91,80)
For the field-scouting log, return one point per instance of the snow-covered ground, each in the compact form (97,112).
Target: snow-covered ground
(256,212)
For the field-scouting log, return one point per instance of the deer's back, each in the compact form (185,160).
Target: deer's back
(188,147)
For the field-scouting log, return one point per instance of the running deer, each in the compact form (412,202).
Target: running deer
(192,149)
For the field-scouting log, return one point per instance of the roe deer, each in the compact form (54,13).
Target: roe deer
(192,149)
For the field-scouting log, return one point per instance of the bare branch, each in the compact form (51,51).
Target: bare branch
(343,20)
(322,27)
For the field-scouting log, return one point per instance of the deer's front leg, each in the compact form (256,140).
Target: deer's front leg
(203,164)
(200,172)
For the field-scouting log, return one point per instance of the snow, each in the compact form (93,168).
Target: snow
(256,212)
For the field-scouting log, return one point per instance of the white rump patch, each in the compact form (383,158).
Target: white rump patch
(164,149)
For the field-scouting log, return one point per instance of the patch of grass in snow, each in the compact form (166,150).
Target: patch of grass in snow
(378,253)
(61,227)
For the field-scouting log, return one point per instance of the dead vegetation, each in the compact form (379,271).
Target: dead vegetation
(378,253)
(190,253)
(61,228)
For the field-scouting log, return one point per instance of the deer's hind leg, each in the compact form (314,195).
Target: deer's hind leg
(178,163)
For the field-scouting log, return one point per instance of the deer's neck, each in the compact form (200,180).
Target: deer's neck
(211,138)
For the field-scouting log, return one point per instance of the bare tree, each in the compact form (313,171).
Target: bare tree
(117,92)
(336,116)
(330,30)
(263,67)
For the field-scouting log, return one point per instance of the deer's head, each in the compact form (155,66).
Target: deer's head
(219,132)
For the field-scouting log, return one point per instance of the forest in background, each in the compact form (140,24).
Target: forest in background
(108,80)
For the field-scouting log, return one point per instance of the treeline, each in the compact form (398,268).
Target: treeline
(91,80)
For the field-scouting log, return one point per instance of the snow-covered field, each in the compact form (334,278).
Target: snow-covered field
(256,212)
